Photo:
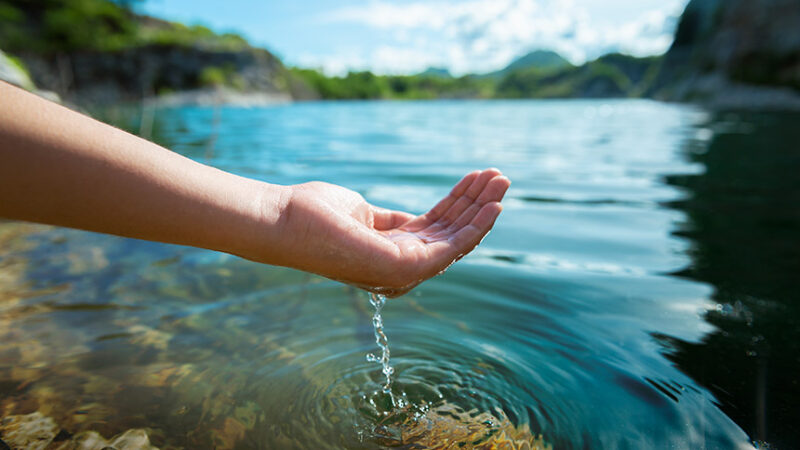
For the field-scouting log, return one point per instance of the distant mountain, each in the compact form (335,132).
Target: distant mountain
(539,59)
(438,72)
(542,59)
(611,75)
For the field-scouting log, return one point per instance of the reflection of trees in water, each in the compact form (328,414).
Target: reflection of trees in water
(744,221)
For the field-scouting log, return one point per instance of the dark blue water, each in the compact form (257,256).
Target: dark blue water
(638,290)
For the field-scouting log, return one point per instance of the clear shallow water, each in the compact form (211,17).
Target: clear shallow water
(638,290)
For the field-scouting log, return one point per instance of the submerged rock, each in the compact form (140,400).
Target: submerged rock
(135,439)
(449,427)
(36,431)
(30,431)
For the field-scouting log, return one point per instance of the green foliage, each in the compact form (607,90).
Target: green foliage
(19,64)
(613,75)
(363,85)
(601,70)
(14,33)
(521,83)
(366,85)
(604,77)
(9,14)
(165,33)
(88,24)
(26,82)
(538,59)
(51,26)
(212,76)
(356,85)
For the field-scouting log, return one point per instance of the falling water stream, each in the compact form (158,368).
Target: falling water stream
(377,301)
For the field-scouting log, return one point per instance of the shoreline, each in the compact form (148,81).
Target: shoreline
(218,97)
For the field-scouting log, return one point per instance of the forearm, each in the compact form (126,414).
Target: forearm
(60,167)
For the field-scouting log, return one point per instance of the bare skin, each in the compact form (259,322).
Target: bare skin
(62,168)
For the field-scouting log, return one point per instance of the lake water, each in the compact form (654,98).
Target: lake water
(640,289)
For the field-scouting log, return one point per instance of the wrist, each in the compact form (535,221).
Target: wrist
(264,240)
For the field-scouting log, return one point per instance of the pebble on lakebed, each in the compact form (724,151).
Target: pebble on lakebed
(36,431)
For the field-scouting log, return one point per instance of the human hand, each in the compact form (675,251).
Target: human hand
(62,168)
(332,231)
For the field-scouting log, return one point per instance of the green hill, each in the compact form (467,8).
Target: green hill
(542,59)
(537,59)
(611,75)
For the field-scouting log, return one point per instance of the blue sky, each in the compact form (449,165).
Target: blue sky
(407,36)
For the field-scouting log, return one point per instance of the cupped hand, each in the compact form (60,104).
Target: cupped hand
(332,231)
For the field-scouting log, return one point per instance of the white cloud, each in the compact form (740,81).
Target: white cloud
(484,35)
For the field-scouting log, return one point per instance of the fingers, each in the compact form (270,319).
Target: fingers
(477,187)
(493,192)
(453,228)
(468,198)
(446,203)
(460,243)
(385,219)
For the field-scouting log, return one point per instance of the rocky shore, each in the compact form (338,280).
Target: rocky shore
(219,96)
(176,74)
(742,54)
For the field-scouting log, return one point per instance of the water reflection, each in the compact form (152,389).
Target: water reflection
(744,224)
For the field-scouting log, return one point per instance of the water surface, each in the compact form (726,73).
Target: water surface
(638,291)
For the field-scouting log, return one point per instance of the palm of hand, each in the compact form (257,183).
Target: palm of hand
(398,250)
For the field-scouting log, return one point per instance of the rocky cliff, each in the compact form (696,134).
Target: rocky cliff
(102,51)
(139,72)
(735,53)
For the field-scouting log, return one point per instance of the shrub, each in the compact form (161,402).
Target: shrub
(213,76)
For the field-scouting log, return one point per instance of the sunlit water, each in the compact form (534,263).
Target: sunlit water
(638,291)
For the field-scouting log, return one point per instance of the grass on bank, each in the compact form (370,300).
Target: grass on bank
(53,26)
